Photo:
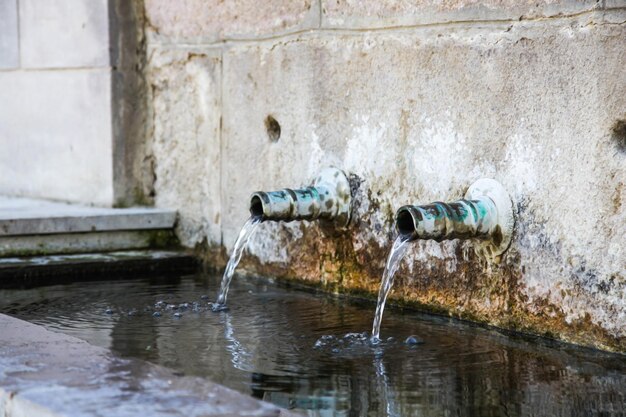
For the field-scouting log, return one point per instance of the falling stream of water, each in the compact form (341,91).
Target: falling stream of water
(240,244)
(393,262)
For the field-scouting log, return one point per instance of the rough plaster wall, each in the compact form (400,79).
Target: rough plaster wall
(416,113)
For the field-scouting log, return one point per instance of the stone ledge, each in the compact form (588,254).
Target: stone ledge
(27,272)
(48,374)
(23,216)
(68,243)
(357,14)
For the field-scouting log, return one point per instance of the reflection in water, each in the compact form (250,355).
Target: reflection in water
(385,390)
(265,346)
(238,352)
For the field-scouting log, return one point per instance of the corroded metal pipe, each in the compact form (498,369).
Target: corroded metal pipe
(328,198)
(462,219)
(486,213)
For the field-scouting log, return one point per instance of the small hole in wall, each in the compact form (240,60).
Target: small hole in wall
(619,135)
(273,128)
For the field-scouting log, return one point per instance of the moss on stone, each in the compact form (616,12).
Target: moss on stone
(163,239)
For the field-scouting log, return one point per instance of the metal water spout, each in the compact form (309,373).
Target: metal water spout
(328,198)
(485,214)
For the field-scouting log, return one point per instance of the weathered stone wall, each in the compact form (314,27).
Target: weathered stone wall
(416,100)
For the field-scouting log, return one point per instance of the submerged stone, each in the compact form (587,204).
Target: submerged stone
(413,340)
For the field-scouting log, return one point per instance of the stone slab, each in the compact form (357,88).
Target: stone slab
(60,243)
(27,272)
(24,216)
(64,33)
(201,21)
(362,14)
(9,37)
(48,374)
(56,135)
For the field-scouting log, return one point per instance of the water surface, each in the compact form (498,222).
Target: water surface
(290,347)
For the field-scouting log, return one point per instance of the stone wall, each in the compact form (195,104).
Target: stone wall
(55,105)
(61,136)
(416,100)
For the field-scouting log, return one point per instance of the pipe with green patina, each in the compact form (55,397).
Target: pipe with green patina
(328,198)
(486,213)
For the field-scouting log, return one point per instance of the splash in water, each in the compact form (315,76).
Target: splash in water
(244,236)
(393,262)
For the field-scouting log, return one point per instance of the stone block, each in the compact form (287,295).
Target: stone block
(418,116)
(200,21)
(353,14)
(55,135)
(9,43)
(50,374)
(64,33)
(186,97)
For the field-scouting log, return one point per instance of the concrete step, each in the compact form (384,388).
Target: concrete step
(38,227)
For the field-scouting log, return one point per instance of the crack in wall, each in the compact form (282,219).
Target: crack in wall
(474,23)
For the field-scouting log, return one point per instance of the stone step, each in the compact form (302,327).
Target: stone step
(24,216)
(38,227)
(27,272)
